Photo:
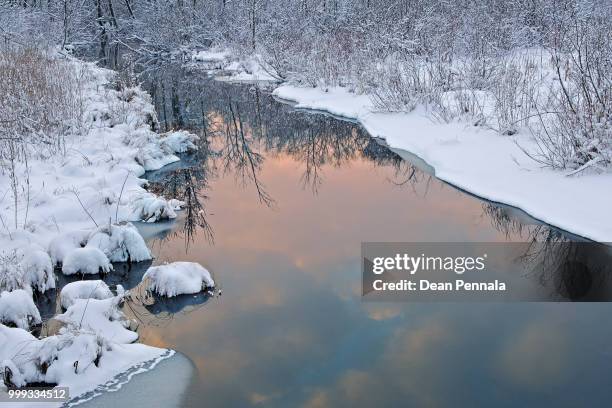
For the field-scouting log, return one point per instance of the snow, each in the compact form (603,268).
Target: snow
(37,269)
(178,278)
(64,243)
(77,360)
(150,208)
(76,213)
(18,308)
(179,141)
(99,316)
(477,160)
(120,243)
(25,266)
(249,69)
(86,261)
(87,289)
(212,55)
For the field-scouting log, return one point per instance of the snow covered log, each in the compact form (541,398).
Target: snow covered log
(178,278)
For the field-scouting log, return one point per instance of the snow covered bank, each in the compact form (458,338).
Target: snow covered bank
(71,209)
(251,69)
(479,161)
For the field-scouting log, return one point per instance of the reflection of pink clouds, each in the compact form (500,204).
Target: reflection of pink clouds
(537,356)
(331,226)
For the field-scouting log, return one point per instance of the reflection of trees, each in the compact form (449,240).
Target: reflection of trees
(151,309)
(189,184)
(573,268)
(243,124)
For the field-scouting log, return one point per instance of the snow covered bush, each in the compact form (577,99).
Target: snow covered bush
(151,208)
(120,243)
(17,308)
(179,141)
(178,278)
(86,261)
(86,289)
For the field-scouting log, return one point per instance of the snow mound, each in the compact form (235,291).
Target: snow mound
(89,289)
(101,317)
(37,269)
(179,141)
(18,308)
(64,243)
(120,243)
(28,267)
(74,359)
(150,208)
(86,261)
(178,278)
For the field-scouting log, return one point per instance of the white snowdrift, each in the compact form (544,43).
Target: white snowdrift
(18,308)
(87,289)
(87,261)
(178,278)
(479,161)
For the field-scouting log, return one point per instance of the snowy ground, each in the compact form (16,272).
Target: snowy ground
(73,216)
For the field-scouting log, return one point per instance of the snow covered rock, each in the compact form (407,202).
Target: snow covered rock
(102,317)
(178,278)
(86,261)
(88,289)
(18,308)
(150,208)
(120,243)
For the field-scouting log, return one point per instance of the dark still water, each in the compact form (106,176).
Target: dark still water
(280,201)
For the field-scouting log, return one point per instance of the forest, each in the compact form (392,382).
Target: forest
(540,65)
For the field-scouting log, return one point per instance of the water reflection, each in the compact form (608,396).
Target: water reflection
(291,328)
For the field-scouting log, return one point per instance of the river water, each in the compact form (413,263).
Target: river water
(280,201)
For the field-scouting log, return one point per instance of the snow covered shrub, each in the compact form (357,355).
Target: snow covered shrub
(401,87)
(179,141)
(86,261)
(574,130)
(120,243)
(86,289)
(178,278)
(151,208)
(515,93)
(17,308)
(40,98)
